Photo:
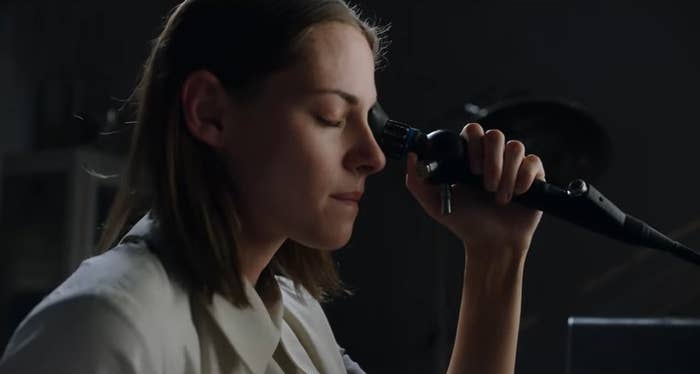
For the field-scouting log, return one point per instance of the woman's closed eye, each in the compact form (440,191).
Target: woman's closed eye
(330,122)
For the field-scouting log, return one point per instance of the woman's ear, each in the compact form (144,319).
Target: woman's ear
(204,104)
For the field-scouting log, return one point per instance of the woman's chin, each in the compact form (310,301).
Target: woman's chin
(324,234)
(333,245)
(330,242)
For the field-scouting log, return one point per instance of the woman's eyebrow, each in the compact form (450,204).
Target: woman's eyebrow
(348,97)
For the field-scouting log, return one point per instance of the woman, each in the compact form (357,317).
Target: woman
(250,155)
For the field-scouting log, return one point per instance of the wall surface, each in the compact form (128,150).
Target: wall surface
(636,69)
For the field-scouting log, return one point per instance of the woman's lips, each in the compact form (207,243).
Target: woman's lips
(351,199)
(348,196)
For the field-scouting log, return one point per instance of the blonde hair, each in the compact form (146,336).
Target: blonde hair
(181,180)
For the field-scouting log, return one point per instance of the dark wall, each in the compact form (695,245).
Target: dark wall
(634,67)
(62,58)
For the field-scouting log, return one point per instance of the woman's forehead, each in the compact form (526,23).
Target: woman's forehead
(335,56)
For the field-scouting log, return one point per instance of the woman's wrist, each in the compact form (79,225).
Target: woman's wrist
(497,267)
(496,254)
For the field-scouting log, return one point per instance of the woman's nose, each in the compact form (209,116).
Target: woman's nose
(366,155)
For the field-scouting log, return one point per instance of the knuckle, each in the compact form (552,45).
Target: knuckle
(533,165)
(515,146)
(472,129)
(495,135)
(533,159)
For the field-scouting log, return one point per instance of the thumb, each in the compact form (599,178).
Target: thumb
(427,195)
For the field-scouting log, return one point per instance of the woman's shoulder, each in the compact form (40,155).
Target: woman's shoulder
(109,307)
(129,277)
(126,276)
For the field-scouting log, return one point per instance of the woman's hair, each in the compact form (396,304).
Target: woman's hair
(180,179)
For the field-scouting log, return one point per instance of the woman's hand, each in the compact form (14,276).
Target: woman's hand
(488,224)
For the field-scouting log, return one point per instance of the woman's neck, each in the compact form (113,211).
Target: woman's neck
(255,254)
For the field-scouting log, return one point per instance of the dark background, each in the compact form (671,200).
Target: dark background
(635,67)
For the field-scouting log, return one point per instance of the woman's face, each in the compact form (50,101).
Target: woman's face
(304,139)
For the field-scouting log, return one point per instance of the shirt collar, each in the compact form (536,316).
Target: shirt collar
(253,331)
(143,229)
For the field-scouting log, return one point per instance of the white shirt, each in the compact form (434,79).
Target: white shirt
(120,312)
